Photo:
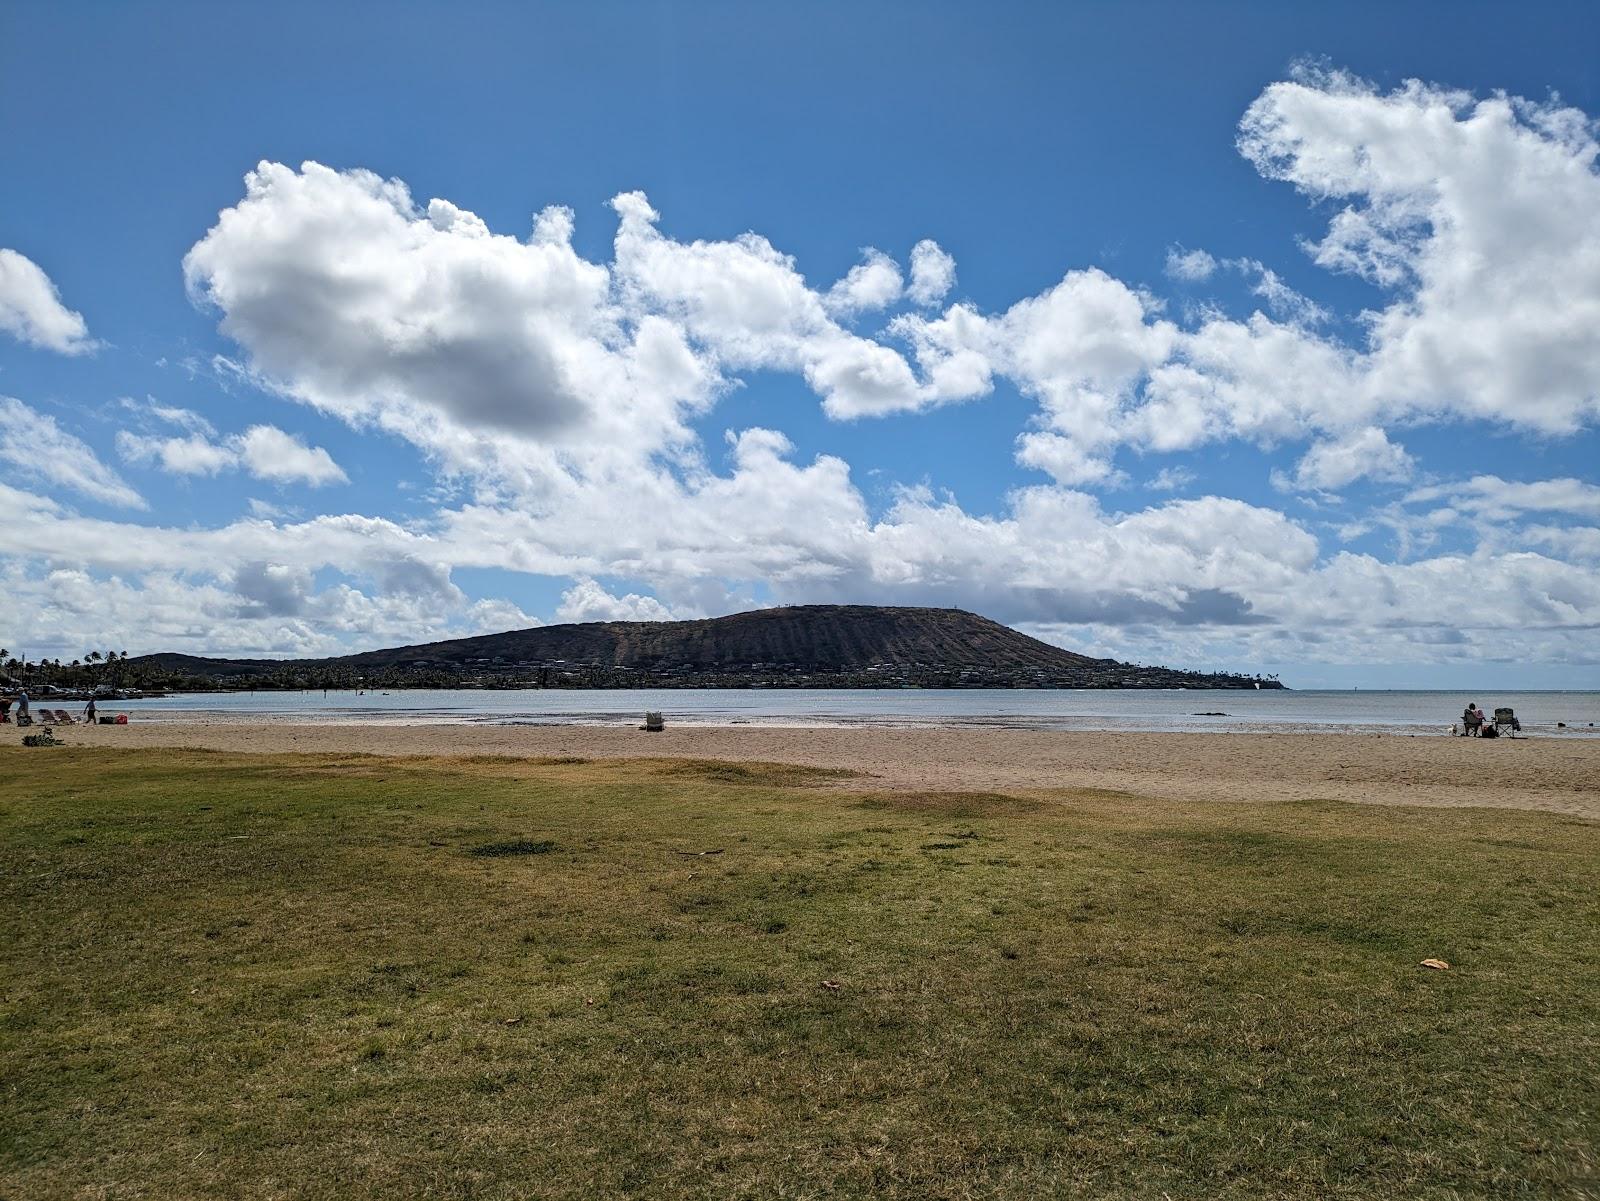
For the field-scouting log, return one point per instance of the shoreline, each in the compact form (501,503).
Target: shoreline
(1214,724)
(1555,775)
(1558,715)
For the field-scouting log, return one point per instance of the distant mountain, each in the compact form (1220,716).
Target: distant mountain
(816,646)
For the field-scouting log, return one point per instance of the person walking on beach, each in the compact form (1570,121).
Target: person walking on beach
(24,718)
(89,713)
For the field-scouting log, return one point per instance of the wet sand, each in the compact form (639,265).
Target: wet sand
(1552,774)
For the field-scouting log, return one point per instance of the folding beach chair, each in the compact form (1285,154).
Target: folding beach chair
(654,722)
(1507,719)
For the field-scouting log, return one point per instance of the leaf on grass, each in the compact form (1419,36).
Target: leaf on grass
(831,985)
(1438,965)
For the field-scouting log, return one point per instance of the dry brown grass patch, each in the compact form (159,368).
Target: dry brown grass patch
(750,774)
(952,804)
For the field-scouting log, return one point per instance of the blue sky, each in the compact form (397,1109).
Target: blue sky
(1251,336)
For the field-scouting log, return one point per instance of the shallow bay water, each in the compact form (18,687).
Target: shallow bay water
(1045,709)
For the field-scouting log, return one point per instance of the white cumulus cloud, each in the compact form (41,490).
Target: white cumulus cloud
(933,273)
(1484,216)
(349,296)
(1170,479)
(268,453)
(34,444)
(1481,218)
(872,284)
(31,309)
(264,451)
(1191,266)
(193,454)
(1568,495)
(587,600)
(1334,463)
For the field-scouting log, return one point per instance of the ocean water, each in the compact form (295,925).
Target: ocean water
(1065,709)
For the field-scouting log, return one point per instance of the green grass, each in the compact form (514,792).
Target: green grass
(233,976)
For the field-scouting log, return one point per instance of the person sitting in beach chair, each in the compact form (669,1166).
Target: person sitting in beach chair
(1471,721)
(60,716)
(1506,719)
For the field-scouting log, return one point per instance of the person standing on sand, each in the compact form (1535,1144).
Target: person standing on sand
(22,709)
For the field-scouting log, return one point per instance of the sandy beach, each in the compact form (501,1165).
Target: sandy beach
(1554,775)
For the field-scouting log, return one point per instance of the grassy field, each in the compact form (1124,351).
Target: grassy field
(233,976)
